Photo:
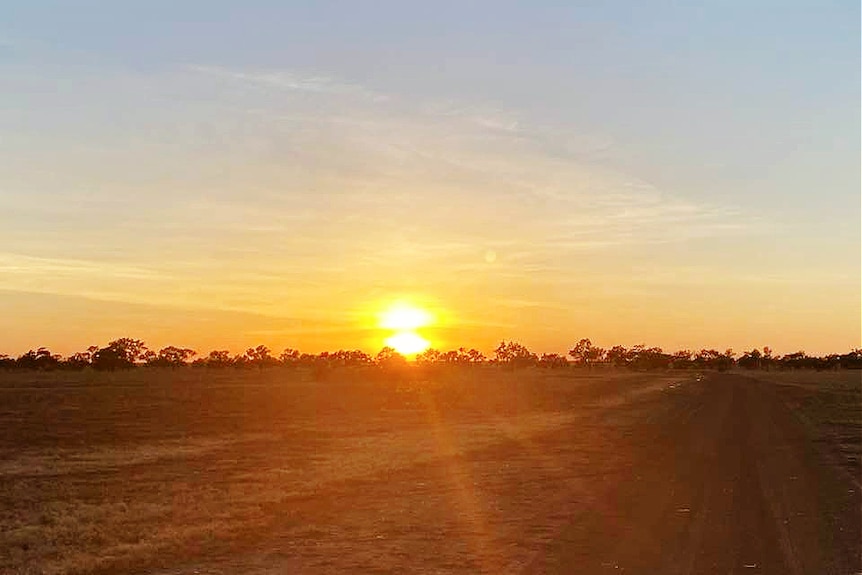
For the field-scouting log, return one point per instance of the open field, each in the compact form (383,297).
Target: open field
(829,405)
(485,471)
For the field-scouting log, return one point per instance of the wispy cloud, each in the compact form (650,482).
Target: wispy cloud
(100,280)
(492,118)
(291,81)
(267,201)
(36,266)
(431,154)
(169,284)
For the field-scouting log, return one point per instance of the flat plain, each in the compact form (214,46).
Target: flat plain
(459,471)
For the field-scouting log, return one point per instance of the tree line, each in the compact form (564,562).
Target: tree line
(128,353)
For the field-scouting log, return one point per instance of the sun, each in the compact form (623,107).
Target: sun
(404,317)
(405,320)
(408,343)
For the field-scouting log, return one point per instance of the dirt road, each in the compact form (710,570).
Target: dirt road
(726,481)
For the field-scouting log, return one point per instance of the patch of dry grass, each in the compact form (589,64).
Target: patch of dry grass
(830,404)
(115,472)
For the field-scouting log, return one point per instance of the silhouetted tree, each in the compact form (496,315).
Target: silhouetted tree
(649,358)
(682,359)
(727,362)
(215,359)
(553,360)
(121,353)
(388,357)
(706,358)
(618,356)
(309,360)
(351,358)
(289,357)
(461,356)
(751,359)
(41,359)
(429,357)
(6,362)
(109,359)
(260,356)
(474,356)
(170,356)
(766,359)
(851,360)
(80,359)
(797,360)
(584,353)
(713,359)
(513,354)
(464,356)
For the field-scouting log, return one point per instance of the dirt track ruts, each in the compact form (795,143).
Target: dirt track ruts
(728,482)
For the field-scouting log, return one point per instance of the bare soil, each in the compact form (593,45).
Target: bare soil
(482,471)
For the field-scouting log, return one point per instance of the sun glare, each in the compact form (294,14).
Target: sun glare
(405,321)
(404,317)
(408,343)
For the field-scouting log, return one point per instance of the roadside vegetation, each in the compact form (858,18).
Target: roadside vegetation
(129,353)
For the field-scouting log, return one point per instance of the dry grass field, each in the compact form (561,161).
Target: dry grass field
(829,405)
(232,471)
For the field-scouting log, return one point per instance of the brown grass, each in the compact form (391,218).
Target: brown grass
(830,404)
(148,469)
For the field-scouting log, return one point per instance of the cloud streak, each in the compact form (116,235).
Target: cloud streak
(22,265)
(291,81)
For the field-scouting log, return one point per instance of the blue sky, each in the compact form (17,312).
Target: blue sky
(540,170)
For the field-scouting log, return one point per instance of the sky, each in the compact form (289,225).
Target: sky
(219,175)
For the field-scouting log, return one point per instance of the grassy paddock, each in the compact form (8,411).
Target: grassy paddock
(108,472)
(830,404)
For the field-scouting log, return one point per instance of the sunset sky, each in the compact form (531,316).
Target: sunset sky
(220,174)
